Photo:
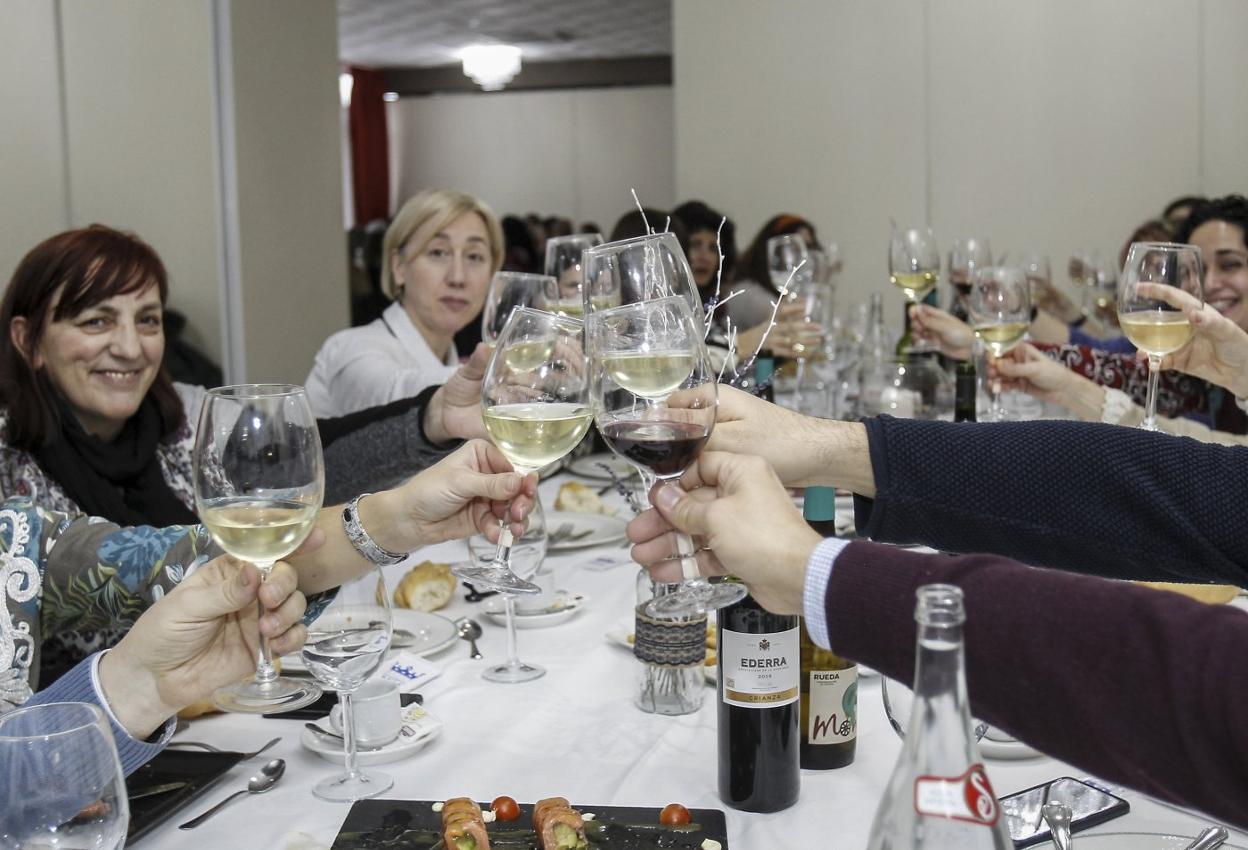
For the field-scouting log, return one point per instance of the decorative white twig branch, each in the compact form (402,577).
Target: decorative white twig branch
(641,210)
(719,276)
(744,369)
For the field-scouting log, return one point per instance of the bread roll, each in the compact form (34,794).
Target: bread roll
(576,497)
(426,587)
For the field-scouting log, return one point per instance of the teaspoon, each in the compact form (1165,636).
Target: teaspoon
(470,630)
(258,784)
(1057,816)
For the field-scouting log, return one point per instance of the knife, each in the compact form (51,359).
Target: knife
(154,790)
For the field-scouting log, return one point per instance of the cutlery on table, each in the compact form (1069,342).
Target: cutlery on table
(210,748)
(1057,816)
(566,533)
(475,595)
(262,781)
(156,790)
(1209,838)
(470,630)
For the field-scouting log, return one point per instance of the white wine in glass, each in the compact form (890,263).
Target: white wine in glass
(913,262)
(1000,311)
(1151,322)
(259,482)
(649,374)
(1002,337)
(533,434)
(565,263)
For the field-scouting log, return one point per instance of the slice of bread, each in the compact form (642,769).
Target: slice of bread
(576,497)
(426,587)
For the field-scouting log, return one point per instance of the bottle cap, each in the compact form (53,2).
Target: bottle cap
(764,367)
(819,504)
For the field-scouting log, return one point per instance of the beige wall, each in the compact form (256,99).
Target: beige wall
(1054,125)
(573,153)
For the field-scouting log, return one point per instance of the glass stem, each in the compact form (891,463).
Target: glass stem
(348,732)
(509,608)
(265,672)
(1150,407)
(994,389)
(502,555)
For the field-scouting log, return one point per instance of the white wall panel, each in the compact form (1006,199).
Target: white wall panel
(1225,96)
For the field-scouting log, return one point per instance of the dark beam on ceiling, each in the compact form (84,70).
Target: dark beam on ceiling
(578,74)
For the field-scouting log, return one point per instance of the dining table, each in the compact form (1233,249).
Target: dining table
(576,732)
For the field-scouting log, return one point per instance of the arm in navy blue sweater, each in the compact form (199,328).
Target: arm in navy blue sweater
(1085,497)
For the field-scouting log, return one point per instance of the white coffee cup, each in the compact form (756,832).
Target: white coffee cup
(378,714)
(534,602)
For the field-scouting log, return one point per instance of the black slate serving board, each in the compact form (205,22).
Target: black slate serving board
(199,770)
(414,825)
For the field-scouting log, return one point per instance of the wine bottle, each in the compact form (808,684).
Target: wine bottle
(764,377)
(671,652)
(759,736)
(966,391)
(907,337)
(829,683)
(939,796)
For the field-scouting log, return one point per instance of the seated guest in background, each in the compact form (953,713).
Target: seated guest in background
(643,222)
(201,636)
(753,305)
(440,252)
(1177,211)
(1052,658)
(77,584)
(521,254)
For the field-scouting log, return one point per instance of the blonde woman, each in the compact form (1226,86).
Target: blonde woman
(437,260)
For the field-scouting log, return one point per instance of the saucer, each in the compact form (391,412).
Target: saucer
(586,530)
(564,607)
(419,728)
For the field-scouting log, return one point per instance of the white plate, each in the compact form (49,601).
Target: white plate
(998,745)
(419,728)
(433,632)
(563,608)
(602,530)
(1136,841)
(587,467)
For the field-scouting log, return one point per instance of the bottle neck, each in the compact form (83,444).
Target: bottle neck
(941,705)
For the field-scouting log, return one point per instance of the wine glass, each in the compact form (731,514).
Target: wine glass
(259,482)
(1000,312)
(788,258)
(63,782)
(526,560)
(640,269)
(899,704)
(654,397)
(535,403)
(965,257)
(1152,324)
(345,645)
(812,297)
(565,262)
(913,262)
(509,290)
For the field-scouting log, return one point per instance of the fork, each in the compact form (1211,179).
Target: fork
(210,748)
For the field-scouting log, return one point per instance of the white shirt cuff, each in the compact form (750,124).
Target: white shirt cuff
(814,593)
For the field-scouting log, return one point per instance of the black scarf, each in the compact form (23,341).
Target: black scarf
(120,481)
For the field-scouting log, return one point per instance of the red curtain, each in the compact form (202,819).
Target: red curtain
(370,162)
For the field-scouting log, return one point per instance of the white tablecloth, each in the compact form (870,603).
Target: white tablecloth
(575,733)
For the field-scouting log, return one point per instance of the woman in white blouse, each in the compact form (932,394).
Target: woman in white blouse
(437,260)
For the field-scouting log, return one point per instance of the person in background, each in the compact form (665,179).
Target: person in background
(1177,211)
(439,255)
(1052,658)
(201,636)
(753,305)
(521,254)
(643,222)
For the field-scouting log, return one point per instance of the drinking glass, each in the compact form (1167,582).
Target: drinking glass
(345,645)
(1104,291)
(654,399)
(965,257)
(509,290)
(526,561)
(913,262)
(535,402)
(259,482)
(565,262)
(899,704)
(1152,324)
(1000,312)
(812,297)
(785,256)
(644,268)
(63,785)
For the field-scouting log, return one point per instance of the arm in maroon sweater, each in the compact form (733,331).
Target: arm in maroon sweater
(1135,685)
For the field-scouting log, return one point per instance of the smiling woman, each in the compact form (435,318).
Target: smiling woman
(439,255)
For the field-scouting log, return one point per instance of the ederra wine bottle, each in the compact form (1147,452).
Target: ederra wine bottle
(759,737)
(939,796)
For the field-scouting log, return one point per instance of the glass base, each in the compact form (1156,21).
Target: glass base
(275,697)
(349,787)
(512,673)
(493,578)
(696,597)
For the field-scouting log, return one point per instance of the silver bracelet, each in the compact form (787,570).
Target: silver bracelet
(363,541)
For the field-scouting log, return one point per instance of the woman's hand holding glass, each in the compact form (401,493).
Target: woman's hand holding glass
(1000,312)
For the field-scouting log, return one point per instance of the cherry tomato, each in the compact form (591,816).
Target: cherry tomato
(505,808)
(674,814)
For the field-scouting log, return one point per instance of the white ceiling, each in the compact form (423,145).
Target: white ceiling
(425,33)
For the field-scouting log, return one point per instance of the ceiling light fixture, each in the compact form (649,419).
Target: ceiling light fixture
(491,66)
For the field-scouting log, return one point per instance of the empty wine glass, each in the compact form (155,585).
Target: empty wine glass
(965,257)
(259,482)
(785,256)
(899,703)
(63,785)
(509,290)
(1152,324)
(535,403)
(654,399)
(1000,312)
(527,555)
(565,262)
(345,645)
(644,268)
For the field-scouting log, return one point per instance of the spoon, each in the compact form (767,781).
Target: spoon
(1210,837)
(258,784)
(470,630)
(1057,816)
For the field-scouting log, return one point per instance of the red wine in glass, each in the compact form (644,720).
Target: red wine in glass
(665,448)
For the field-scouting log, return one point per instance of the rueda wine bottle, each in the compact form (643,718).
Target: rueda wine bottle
(759,736)
(829,683)
(939,796)
(966,391)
